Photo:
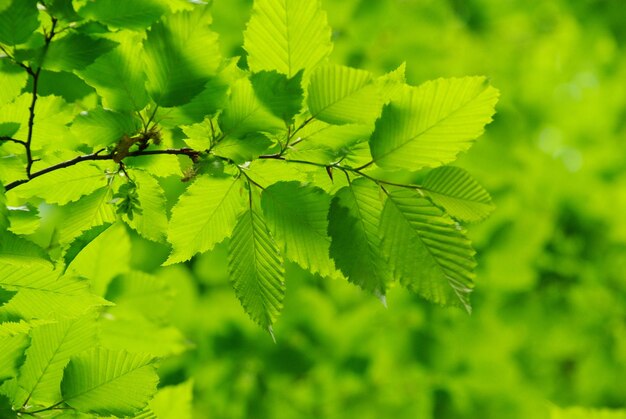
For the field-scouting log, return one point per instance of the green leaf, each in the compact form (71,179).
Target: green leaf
(18,22)
(204,215)
(458,194)
(344,95)
(427,251)
(13,342)
(136,14)
(281,95)
(244,113)
(141,295)
(353,223)
(243,149)
(17,251)
(119,76)
(65,185)
(82,241)
(6,409)
(103,258)
(12,79)
(62,9)
(171,402)
(75,51)
(256,270)
(109,382)
(181,54)
(151,223)
(287,36)
(297,218)
(103,127)
(44,293)
(5,296)
(90,211)
(430,124)
(51,347)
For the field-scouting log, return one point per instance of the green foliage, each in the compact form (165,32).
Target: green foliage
(288,160)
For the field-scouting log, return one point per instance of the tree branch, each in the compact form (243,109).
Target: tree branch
(192,154)
(13,140)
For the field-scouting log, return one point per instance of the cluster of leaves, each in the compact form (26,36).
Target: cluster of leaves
(290,157)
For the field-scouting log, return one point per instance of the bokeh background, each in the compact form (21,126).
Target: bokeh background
(547,338)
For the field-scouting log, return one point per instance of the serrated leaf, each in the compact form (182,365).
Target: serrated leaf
(51,347)
(243,149)
(256,269)
(103,127)
(136,14)
(430,124)
(343,95)
(458,193)
(151,223)
(103,258)
(287,36)
(17,251)
(181,54)
(109,382)
(297,218)
(18,21)
(281,95)
(65,185)
(204,215)
(75,51)
(244,113)
(44,293)
(119,76)
(24,219)
(428,252)
(12,79)
(353,223)
(90,211)
(5,296)
(266,172)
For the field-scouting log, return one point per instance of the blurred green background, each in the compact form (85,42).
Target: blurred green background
(549,323)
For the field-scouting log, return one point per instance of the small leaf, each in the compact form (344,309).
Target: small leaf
(82,241)
(458,193)
(109,382)
(281,95)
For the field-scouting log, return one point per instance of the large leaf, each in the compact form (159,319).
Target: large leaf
(297,218)
(204,215)
(43,293)
(354,220)
(287,36)
(256,269)
(119,76)
(343,95)
(136,14)
(458,193)
(427,126)
(427,251)
(109,382)
(65,185)
(75,51)
(182,54)
(51,347)
(18,21)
